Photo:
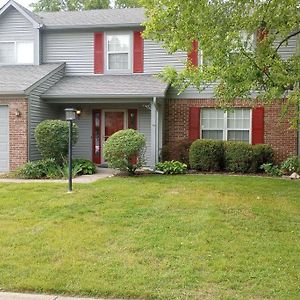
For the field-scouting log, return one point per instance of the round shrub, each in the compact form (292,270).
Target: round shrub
(238,157)
(178,151)
(52,138)
(124,150)
(206,155)
(262,154)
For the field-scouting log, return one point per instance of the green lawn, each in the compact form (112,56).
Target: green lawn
(157,237)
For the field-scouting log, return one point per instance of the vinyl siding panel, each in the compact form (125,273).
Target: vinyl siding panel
(287,49)
(39,110)
(156,58)
(15,27)
(76,48)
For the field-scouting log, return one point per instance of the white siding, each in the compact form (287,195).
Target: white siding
(15,27)
(4,139)
(287,49)
(76,48)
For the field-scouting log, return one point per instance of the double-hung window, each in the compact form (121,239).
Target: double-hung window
(118,52)
(231,125)
(12,53)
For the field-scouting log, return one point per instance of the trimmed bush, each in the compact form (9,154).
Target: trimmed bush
(125,150)
(262,154)
(177,151)
(87,167)
(171,167)
(206,155)
(52,138)
(238,157)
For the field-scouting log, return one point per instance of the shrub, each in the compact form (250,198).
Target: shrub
(178,151)
(291,165)
(52,137)
(272,170)
(87,166)
(206,155)
(47,168)
(238,157)
(172,167)
(124,150)
(262,154)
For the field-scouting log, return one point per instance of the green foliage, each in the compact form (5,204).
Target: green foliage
(64,170)
(238,157)
(171,167)
(291,165)
(87,167)
(52,138)
(69,5)
(178,150)
(234,56)
(272,170)
(206,155)
(47,168)
(261,154)
(124,150)
(127,3)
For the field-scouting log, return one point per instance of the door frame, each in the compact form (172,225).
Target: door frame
(125,125)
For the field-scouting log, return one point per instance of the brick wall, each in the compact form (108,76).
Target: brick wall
(18,131)
(276,132)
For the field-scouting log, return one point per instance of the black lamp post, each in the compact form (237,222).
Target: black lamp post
(70,117)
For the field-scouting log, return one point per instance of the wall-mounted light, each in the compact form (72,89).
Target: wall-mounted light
(78,112)
(18,113)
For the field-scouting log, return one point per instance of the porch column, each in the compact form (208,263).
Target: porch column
(154,133)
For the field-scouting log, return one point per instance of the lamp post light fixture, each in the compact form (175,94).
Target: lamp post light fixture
(70,117)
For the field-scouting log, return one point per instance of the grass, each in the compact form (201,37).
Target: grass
(181,237)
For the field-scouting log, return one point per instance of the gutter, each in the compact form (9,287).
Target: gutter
(92,26)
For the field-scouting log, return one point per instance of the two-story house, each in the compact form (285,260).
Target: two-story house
(98,62)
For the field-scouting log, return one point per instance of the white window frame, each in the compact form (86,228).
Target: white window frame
(16,52)
(130,52)
(226,128)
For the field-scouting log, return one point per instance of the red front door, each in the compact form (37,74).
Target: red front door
(113,122)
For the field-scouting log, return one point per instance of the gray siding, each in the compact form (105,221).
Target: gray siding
(39,110)
(192,93)
(287,49)
(15,27)
(76,48)
(156,58)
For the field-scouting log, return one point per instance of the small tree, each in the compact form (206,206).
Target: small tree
(52,138)
(125,150)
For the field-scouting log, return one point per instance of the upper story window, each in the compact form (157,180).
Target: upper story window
(118,52)
(228,126)
(12,53)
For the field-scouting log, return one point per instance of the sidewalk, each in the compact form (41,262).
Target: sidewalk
(19,296)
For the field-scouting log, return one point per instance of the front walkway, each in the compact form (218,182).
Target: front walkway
(19,296)
(101,173)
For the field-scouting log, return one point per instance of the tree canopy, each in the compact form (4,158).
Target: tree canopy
(127,3)
(69,5)
(240,43)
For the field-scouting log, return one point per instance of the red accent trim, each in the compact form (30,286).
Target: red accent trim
(138,52)
(193,55)
(258,125)
(194,123)
(96,158)
(135,113)
(98,52)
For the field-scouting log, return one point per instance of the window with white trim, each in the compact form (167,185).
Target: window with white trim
(118,51)
(12,53)
(234,125)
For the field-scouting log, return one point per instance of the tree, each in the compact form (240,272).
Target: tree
(127,3)
(239,41)
(69,5)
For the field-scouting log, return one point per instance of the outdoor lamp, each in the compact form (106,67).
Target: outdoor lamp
(70,117)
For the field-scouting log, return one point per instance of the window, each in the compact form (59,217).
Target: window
(16,53)
(229,126)
(118,49)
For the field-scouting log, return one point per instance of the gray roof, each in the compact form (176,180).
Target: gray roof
(107,86)
(93,18)
(18,80)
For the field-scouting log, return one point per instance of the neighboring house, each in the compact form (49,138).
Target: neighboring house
(97,62)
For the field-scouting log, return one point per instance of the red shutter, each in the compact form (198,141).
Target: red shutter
(194,123)
(132,118)
(193,55)
(98,52)
(138,52)
(258,125)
